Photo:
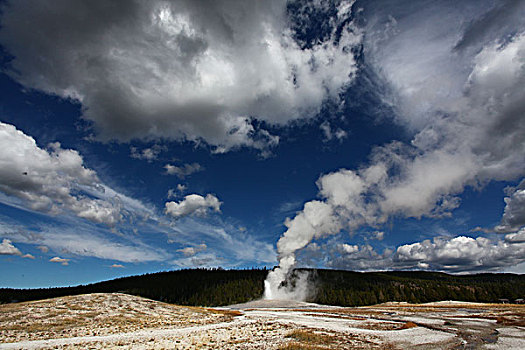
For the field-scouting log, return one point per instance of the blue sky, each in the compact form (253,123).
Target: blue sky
(371,135)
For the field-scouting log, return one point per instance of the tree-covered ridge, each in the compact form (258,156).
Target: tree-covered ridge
(217,287)
(347,288)
(199,287)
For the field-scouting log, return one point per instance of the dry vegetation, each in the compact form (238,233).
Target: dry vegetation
(315,340)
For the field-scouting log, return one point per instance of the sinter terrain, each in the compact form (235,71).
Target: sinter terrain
(121,321)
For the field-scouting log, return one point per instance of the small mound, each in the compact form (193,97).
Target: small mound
(96,314)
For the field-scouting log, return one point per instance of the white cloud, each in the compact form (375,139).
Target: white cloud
(182,171)
(458,254)
(7,248)
(46,180)
(329,133)
(347,248)
(190,251)
(149,154)
(193,204)
(182,69)
(517,237)
(56,180)
(514,213)
(462,254)
(60,260)
(28,256)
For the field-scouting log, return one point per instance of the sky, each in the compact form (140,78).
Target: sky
(145,136)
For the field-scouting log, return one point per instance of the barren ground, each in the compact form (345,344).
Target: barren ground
(120,321)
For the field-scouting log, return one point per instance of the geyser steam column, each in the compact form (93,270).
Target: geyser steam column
(316,219)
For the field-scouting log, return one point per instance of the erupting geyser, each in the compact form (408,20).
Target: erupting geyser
(313,221)
(276,288)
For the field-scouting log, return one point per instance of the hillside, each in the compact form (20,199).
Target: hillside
(216,287)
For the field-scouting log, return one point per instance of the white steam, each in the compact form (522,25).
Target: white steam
(467,113)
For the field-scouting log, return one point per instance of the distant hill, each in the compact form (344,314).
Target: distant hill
(217,287)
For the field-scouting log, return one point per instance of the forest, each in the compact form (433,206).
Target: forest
(219,287)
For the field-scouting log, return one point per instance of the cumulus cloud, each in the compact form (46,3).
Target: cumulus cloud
(182,69)
(193,204)
(47,180)
(462,254)
(465,106)
(458,254)
(7,248)
(182,171)
(517,237)
(514,213)
(60,260)
(190,251)
(347,248)
(55,179)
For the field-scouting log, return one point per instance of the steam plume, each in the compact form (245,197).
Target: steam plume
(468,130)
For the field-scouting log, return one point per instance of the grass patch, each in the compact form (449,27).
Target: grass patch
(232,313)
(300,346)
(311,337)
(507,321)
(308,340)
(408,325)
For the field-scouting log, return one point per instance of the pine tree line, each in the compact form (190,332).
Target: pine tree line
(219,287)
